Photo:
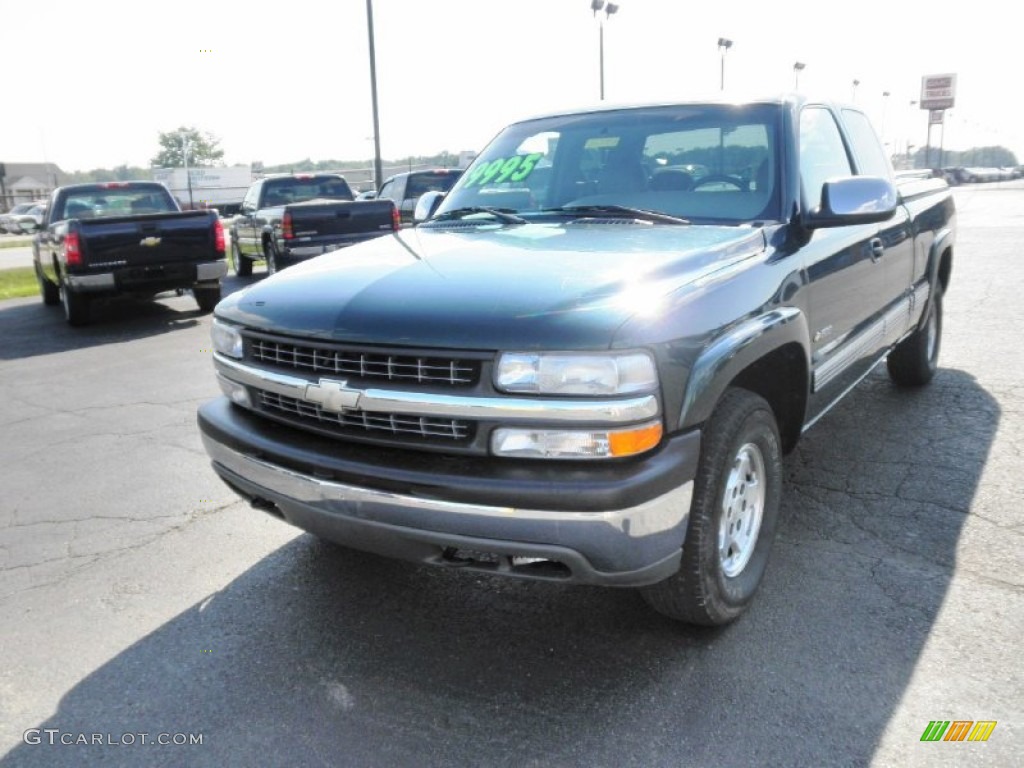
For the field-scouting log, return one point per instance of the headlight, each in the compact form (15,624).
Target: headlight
(558,373)
(575,443)
(226,339)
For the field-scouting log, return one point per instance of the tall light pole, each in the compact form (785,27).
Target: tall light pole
(377,170)
(724,44)
(885,104)
(853,90)
(186,147)
(609,9)
(798,67)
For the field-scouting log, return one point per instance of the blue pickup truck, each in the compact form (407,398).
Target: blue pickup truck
(587,364)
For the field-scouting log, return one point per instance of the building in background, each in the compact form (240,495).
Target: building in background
(25,182)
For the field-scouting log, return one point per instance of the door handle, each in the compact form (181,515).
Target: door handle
(877,249)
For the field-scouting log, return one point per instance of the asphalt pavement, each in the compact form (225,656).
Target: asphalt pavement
(139,596)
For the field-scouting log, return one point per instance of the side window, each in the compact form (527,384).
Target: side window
(387,191)
(822,152)
(871,159)
(249,201)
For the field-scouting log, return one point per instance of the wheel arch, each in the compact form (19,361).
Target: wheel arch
(767,355)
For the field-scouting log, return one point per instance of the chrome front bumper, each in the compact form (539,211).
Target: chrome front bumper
(630,547)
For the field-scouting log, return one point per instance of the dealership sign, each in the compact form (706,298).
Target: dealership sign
(938,91)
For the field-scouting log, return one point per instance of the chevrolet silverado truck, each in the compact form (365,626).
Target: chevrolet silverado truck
(406,188)
(289,218)
(126,237)
(590,376)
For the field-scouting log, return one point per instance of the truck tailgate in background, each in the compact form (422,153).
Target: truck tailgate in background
(149,239)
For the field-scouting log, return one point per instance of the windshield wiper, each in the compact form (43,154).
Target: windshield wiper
(504,215)
(618,210)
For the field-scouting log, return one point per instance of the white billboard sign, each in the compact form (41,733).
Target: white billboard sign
(938,91)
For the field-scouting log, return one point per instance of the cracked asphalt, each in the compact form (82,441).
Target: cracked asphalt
(137,595)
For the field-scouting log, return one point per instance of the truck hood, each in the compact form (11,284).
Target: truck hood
(534,286)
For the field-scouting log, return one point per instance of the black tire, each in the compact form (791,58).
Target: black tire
(272,257)
(206,296)
(76,306)
(717,581)
(239,263)
(49,291)
(915,360)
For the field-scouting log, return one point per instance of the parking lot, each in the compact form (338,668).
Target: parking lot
(140,596)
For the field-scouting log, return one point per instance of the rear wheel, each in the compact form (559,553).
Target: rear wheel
(272,257)
(207,296)
(915,360)
(49,291)
(76,306)
(241,265)
(733,516)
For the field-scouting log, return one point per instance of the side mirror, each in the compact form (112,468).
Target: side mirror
(853,200)
(427,205)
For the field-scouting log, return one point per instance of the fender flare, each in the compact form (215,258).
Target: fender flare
(726,357)
(943,240)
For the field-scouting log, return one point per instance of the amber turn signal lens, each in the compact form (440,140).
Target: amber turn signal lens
(629,442)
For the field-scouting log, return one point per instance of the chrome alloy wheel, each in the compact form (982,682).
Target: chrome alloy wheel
(742,510)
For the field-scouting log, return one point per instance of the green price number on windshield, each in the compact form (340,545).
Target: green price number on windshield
(502,169)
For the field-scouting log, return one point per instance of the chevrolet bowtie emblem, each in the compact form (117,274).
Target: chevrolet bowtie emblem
(334,396)
(150,241)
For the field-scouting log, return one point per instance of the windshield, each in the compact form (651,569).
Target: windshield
(711,163)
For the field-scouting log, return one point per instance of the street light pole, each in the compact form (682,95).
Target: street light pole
(885,104)
(798,67)
(186,146)
(724,44)
(377,169)
(853,90)
(609,9)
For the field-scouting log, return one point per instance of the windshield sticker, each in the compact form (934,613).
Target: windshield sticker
(502,169)
(602,142)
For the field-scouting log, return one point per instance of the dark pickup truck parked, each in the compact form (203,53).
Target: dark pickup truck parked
(406,188)
(595,379)
(284,219)
(128,237)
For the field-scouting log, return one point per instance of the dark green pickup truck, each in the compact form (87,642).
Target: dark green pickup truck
(586,365)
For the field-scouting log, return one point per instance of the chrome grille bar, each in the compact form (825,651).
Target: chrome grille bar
(395,423)
(364,365)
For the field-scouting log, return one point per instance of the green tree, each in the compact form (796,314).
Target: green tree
(204,149)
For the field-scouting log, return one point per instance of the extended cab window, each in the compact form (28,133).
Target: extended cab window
(871,159)
(822,152)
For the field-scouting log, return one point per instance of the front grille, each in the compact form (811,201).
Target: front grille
(364,365)
(301,413)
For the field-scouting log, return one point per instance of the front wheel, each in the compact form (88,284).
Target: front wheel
(49,291)
(915,360)
(733,516)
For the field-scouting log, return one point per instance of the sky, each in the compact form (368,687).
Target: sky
(280,82)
